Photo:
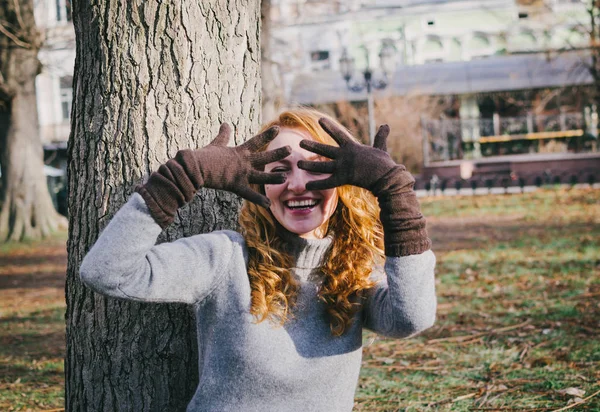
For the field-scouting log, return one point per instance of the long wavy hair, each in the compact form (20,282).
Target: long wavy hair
(357,245)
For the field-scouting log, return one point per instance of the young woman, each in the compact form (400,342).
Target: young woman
(332,241)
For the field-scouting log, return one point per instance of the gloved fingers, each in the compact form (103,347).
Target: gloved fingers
(261,140)
(254,197)
(262,158)
(222,138)
(266,178)
(318,167)
(323,184)
(339,135)
(320,148)
(381,137)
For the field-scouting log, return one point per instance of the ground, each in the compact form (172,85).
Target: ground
(518,316)
(32,326)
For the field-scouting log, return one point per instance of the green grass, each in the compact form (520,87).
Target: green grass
(531,206)
(518,317)
(518,313)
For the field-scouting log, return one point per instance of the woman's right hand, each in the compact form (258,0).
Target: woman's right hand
(235,168)
(215,166)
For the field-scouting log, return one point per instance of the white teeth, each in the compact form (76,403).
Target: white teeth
(301,203)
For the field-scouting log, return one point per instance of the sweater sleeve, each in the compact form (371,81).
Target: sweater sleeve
(125,262)
(403,301)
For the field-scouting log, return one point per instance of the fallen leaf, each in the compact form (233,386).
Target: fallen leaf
(572,392)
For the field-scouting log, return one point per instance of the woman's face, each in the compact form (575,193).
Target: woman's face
(298,210)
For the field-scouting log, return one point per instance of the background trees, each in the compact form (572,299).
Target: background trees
(26,207)
(150,78)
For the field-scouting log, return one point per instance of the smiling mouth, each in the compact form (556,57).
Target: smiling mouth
(301,204)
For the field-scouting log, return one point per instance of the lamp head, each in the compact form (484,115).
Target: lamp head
(346,65)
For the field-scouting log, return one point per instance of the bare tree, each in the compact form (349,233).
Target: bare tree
(353,115)
(593,31)
(151,77)
(26,210)
(403,115)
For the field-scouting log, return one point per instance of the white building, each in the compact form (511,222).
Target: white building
(54,83)
(310,36)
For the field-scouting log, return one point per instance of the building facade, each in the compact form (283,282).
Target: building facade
(54,83)
(310,37)
(514,71)
(462,48)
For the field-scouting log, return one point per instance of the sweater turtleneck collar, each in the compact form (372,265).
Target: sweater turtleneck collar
(307,253)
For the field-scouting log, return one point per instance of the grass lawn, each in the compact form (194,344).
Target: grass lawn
(518,316)
(519,310)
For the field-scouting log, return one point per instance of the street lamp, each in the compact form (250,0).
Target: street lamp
(387,60)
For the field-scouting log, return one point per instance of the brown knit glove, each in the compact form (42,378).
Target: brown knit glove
(372,168)
(215,166)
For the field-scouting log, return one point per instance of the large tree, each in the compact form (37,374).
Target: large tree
(26,207)
(151,77)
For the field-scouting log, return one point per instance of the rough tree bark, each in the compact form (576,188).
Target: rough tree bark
(26,210)
(151,77)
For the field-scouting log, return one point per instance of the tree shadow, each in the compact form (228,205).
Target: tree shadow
(12,372)
(463,234)
(45,271)
(33,345)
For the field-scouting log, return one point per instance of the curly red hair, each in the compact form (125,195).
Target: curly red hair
(357,246)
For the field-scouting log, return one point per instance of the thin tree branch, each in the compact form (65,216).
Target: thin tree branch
(19,17)
(14,38)
(549,95)
(8,25)
(577,403)
(4,94)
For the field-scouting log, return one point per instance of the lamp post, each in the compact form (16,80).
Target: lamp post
(387,62)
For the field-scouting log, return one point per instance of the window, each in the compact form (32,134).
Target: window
(523,15)
(479,46)
(432,50)
(431,22)
(320,60)
(319,55)
(66,97)
(523,40)
(63,10)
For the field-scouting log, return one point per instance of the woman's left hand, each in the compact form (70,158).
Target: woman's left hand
(352,163)
(373,169)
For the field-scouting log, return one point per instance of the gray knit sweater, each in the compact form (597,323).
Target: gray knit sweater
(248,366)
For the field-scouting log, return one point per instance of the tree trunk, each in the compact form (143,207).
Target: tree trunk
(151,77)
(26,209)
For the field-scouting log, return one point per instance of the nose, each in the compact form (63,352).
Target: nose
(296,180)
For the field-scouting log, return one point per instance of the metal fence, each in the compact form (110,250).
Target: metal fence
(507,182)
(449,139)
